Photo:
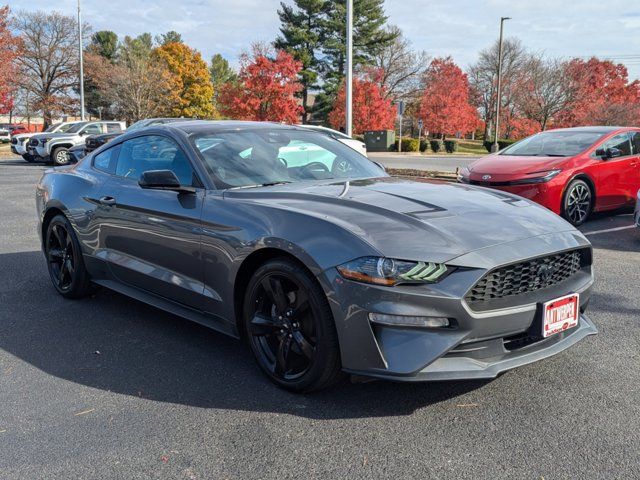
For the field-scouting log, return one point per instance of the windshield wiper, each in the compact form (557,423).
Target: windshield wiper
(267,184)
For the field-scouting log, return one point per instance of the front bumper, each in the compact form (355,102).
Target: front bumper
(481,345)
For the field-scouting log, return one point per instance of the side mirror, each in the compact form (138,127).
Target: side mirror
(600,152)
(162,180)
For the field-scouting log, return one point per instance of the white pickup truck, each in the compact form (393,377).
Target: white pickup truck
(19,143)
(54,147)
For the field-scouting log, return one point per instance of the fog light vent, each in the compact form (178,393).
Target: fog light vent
(409,321)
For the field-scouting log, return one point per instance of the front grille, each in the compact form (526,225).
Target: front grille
(14,141)
(528,276)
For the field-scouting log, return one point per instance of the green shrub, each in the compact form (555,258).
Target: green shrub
(502,144)
(436,146)
(408,145)
(451,146)
(424,145)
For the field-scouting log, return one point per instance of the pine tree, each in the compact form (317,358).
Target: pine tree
(369,37)
(301,36)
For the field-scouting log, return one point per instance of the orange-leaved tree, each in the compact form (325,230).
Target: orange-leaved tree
(8,51)
(371,109)
(264,90)
(445,108)
(191,88)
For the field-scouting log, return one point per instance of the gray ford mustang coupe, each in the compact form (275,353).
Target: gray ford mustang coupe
(313,253)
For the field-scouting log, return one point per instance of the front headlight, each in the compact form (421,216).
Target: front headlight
(389,272)
(463,174)
(544,177)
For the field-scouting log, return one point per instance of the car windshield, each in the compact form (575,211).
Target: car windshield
(272,156)
(75,128)
(138,125)
(560,143)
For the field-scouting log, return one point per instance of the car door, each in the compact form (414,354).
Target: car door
(634,173)
(612,174)
(151,238)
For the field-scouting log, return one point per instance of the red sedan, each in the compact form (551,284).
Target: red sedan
(571,171)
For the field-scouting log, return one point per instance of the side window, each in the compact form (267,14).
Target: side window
(106,161)
(113,128)
(635,142)
(92,129)
(153,152)
(621,142)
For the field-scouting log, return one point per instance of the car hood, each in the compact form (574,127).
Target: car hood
(414,220)
(507,167)
(24,135)
(55,135)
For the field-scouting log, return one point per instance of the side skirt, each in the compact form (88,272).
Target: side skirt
(162,303)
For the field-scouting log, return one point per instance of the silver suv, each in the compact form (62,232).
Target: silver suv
(54,147)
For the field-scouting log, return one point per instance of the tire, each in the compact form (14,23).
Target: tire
(60,156)
(577,202)
(28,158)
(64,259)
(290,328)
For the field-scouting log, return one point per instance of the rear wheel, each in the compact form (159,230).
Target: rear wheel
(290,327)
(60,156)
(64,259)
(577,203)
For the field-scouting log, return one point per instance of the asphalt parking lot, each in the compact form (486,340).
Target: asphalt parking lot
(107,387)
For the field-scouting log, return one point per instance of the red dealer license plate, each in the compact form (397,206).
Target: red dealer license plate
(560,314)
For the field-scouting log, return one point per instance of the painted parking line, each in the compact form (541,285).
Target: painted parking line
(597,232)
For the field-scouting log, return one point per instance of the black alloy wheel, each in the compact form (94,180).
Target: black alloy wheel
(290,327)
(577,203)
(64,259)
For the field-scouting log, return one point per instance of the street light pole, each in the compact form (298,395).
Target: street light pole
(495,146)
(349,73)
(81,63)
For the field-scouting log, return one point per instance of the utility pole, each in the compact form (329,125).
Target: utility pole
(495,146)
(81,63)
(349,75)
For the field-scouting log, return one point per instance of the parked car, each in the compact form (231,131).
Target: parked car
(5,135)
(54,147)
(323,269)
(357,145)
(571,171)
(14,128)
(19,142)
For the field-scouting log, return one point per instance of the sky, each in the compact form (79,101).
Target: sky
(460,28)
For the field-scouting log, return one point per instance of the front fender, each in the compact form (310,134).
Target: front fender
(53,144)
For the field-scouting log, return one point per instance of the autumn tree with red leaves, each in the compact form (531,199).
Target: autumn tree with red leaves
(602,95)
(8,51)
(371,108)
(445,107)
(264,90)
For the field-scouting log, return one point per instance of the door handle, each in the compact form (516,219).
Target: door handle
(107,201)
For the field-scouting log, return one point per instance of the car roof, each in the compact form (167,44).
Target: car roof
(202,126)
(602,129)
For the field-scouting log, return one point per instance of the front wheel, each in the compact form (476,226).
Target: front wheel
(290,327)
(61,156)
(577,203)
